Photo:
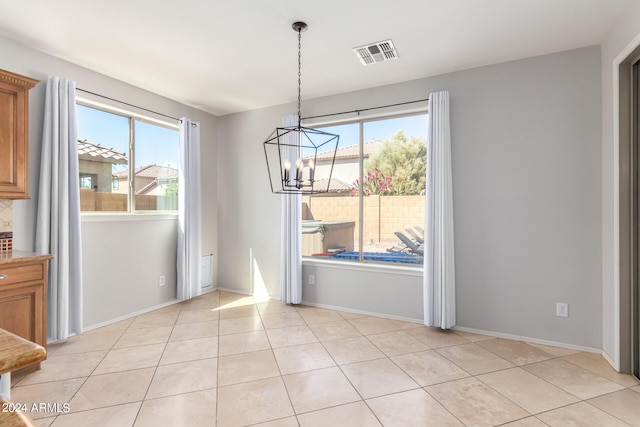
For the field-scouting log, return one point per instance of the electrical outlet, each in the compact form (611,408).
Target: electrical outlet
(562,309)
(161,280)
(312,279)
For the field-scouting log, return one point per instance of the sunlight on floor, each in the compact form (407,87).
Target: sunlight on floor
(259,287)
(240,302)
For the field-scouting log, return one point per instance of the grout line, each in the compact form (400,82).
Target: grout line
(284,383)
(217,359)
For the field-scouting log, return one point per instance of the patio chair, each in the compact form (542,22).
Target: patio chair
(398,248)
(413,247)
(419,240)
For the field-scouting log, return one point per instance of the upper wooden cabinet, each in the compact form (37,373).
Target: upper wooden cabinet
(14,135)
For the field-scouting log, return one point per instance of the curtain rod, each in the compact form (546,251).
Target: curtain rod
(365,109)
(126,103)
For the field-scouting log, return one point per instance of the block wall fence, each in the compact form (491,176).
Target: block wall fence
(383,215)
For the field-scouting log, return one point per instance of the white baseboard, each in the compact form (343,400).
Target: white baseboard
(138,313)
(233,291)
(129,316)
(527,339)
(609,360)
(366,313)
(471,330)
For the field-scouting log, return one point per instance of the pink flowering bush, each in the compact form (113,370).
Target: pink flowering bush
(377,183)
(397,168)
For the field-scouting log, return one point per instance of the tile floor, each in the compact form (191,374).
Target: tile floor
(224,360)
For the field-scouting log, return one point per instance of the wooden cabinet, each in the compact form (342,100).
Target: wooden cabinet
(23,295)
(14,135)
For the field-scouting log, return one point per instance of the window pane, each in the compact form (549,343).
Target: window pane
(394,188)
(103,141)
(156,167)
(330,221)
(393,194)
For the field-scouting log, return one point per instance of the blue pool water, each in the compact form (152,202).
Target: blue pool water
(382,257)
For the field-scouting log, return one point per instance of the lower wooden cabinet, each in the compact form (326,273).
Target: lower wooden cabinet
(23,297)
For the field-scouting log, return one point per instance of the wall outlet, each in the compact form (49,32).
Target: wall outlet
(161,280)
(312,279)
(562,309)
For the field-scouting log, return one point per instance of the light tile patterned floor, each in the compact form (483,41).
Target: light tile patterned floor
(223,360)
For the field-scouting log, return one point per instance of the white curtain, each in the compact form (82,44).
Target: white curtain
(189,214)
(291,245)
(439,266)
(58,217)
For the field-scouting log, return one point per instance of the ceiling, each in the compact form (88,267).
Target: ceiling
(224,56)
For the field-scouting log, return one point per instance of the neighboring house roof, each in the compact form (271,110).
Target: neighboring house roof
(351,151)
(335,186)
(97,153)
(151,171)
(154,176)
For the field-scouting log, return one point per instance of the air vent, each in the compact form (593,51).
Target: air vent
(376,52)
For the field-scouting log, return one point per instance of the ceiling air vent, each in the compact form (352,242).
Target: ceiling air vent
(376,52)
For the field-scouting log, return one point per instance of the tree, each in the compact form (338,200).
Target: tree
(171,189)
(397,168)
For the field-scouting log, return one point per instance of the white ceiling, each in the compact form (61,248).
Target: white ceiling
(225,56)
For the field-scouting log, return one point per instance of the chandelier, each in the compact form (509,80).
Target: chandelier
(300,160)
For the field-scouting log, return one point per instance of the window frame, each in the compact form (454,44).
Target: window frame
(132,116)
(361,263)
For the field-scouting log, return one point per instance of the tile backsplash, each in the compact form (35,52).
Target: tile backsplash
(6,215)
(6,225)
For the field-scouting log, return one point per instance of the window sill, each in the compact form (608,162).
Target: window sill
(122,217)
(364,266)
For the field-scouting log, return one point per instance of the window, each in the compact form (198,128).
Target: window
(374,211)
(126,163)
(88,180)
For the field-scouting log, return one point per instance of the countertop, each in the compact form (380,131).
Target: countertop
(11,257)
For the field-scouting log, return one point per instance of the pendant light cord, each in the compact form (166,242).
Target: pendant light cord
(299,74)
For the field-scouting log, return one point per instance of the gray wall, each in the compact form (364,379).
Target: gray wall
(526,170)
(526,164)
(248,214)
(391,292)
(121,272)
(120,264)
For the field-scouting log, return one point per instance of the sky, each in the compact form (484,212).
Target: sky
(154,144)
(158,145)
(380,129)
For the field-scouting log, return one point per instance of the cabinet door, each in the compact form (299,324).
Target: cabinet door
(23,302)
(21,311)
(14,140)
